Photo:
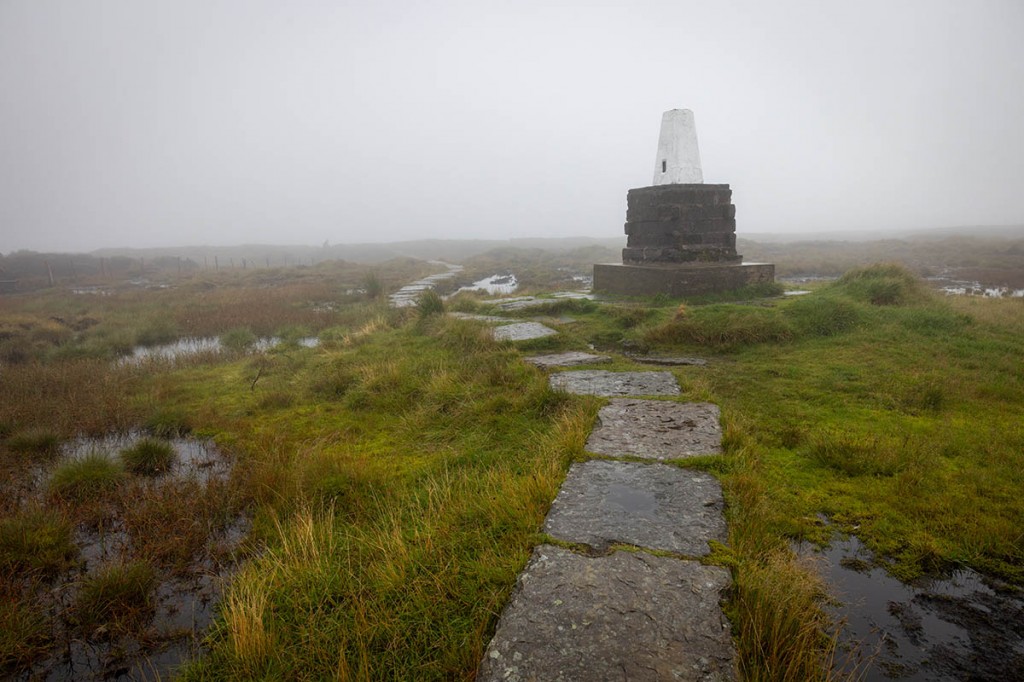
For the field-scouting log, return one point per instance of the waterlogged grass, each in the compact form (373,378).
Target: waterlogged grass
(85,480)
(397,475)
(148,457)
(118,598)
(397,495)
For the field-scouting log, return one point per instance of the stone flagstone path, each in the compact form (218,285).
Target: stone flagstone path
(602,613)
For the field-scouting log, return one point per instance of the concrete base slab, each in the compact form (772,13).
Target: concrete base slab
(628,616)
(654,506)
(604,383)
(679,280)
(656,429)
(522,331)
(567,359)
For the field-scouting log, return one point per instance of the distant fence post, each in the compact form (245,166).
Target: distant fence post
(49,272)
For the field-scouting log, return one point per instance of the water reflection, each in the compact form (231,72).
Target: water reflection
(957,627)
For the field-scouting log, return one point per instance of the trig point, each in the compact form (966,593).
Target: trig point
(681,233)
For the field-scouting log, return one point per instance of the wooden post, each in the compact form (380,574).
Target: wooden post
(49,272)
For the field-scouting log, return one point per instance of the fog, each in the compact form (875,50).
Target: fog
(173,122)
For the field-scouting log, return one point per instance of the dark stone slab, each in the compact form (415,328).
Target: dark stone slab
(691,279)
(567,359)
(656,429)
(601,382)
(628,616)
(654,506)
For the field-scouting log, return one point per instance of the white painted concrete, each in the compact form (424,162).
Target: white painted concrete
(678,159)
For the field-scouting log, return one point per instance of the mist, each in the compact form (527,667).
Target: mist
(144,124)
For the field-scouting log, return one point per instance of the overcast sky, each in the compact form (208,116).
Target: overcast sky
(173,122)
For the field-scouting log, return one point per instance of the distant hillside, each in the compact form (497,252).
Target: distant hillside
(262,255)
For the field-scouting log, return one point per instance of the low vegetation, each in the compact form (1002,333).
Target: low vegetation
(395,477)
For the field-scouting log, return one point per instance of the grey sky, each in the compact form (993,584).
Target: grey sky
(172,122)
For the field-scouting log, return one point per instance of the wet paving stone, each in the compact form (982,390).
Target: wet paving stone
(655,506)
(627,616)
(522,331)
(667,361)
(479,318)
(604,383)
(656,429)
(567,359)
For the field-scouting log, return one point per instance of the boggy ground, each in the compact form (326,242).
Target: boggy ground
(396,476)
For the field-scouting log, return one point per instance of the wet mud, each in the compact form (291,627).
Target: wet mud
(962,626)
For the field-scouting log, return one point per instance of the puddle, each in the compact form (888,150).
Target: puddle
(196,458)
(183,348)
(953,628)
(796,292)
(493,285)
(188,587)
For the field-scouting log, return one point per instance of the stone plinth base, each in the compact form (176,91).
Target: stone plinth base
(678,280)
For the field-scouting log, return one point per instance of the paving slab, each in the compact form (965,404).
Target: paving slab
(522,331)
(656,429)
(668,361)
(604,383)
(567,359)
(654,506)
(524,302)
(481,318)
(627,616)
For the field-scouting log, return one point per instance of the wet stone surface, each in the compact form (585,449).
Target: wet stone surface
(668,361)
(567,359)
(522,331)
(524,302)
(628,616)
(604,383)
(656,429)
(648,505)
(479,318)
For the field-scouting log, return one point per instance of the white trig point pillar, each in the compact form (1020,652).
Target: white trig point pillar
(678,161)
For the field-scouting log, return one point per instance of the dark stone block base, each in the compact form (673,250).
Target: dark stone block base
(678,280)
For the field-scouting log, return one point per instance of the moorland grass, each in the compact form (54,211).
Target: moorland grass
(86,479)
(36,541)
(117,598)
(148,457)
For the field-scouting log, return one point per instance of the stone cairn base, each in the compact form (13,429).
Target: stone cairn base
(681,240)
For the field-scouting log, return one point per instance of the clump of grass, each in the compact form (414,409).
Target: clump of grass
(38,441)
(373,286)
(149,457)
(238,340)
(25,634)
(85,479)
(118,599)
(36,541)
(429,303)
(783,632)
(156,332)
(723,327)
(882,284)
(823,315)
(857,455)
(168,422)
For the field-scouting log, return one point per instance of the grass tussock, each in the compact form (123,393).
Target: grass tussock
(118,598)
(149,457)
(85,480)
(36,541)
(723,327)
(884,284)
